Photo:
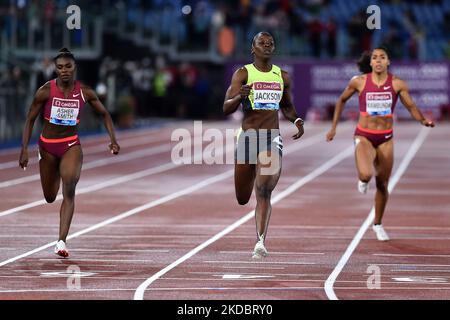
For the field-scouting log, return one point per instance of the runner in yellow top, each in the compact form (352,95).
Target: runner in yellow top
(262,88)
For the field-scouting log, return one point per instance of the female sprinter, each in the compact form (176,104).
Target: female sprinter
(378,91)
(60,156)
(262,88)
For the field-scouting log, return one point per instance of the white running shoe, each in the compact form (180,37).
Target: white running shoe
(260,250)
(363,186)
(61,249)
(379,231)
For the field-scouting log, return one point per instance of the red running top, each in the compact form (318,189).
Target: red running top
(64,111)
(377,101)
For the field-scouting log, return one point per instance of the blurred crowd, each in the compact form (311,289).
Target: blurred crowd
(155,88)
(309,28)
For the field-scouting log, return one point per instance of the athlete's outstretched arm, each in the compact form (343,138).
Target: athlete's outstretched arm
(351,88)
(40,98)
(287,107)
(408,102)
(99,108)
(237,92)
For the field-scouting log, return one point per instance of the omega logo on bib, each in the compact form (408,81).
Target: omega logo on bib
(267,95)
(64,111)
(378,103)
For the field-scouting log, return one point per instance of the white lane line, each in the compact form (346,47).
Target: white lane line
(194,226)
(119,250)
(420,270)
(412,255)
(219,274)
(254,276)
(142,139)
(39,271)
(228,277)
(215,274)
(251,267)
(122,225)
(411,264)
(97,186)
(421,228)
(276,253)
(397,288)
(210,289)
(263,262)
(303,144)
(436,281)
(106,260)
(85,277)
(174,236)
(75,291)
(314,227)
(103,138)
(303,236)
(143,173)
(139,294)
(105,161)
(259,289)
(110,236)
(129,213)
(362,230)
(97,163)
(112,182)
(124,144)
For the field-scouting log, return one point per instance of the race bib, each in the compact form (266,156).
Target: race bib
(267,95)
(378,103)
(64,112)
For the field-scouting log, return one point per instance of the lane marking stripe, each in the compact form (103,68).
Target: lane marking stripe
(366,224)
(303,144)
(139,294)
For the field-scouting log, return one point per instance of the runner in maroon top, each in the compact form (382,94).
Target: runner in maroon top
(378,91)
(60,155)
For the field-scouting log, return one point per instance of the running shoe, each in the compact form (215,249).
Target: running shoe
(363,186)
(379,231)
(61,249)
(260,250)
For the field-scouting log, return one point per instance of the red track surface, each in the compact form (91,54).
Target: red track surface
(309,232)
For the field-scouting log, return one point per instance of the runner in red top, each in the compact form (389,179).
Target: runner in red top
(378,91)
(60,155)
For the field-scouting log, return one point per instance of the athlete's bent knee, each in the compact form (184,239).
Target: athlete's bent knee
(263,192)
(365,177)
(382,185)
(50,198)
(242,200)
(69,189)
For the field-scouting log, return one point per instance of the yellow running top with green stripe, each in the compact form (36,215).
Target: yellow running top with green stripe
(267,88)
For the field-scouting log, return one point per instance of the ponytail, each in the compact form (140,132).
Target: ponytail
(364,62)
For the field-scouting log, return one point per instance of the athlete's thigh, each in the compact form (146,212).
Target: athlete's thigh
(385,160)
(70,166)
(49,172)
(365,155)
(244,179)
